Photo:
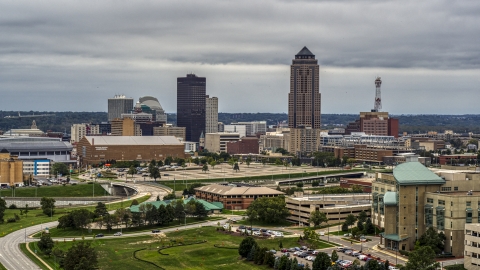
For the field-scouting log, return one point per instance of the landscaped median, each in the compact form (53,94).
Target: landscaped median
(36,216)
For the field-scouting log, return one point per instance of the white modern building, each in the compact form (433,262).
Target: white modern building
(211,115)
(255,127)
(234,128)
(78,131)
(36,167)
(217,142)
(472,246)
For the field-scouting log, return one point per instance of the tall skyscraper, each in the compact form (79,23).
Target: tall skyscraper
(304,97)
(304,104)
(211,117)
(117,105)
(191,105)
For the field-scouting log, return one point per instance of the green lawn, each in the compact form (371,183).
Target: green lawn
(80,190)
(36,216)
(69,233)
(2,267)
(118,253)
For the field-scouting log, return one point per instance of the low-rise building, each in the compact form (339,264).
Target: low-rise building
(246,145)
(217,142)
(168,130)
(472,246)
(11,169)
(336,207)
(234,196)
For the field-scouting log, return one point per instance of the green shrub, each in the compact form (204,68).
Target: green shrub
(12,206)
(11,220)
(404,253)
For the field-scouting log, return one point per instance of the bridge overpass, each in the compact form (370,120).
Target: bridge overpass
(323,178)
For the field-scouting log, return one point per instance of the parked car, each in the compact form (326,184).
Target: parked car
(273,251)
(348,252)
(310,258)
(155,231)
(291,250)
(117,234)
(286,254)
(362,257)
(355,254)
(296,253)
(99,235)
(340,249)
(303,255)
(257,233)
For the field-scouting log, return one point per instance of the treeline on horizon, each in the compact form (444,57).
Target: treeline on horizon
(420,123)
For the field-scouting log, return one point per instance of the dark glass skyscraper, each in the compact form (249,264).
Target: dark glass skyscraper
(191,106)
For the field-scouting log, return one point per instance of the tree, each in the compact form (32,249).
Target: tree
(3,206)
(246,246)
(232,162)
(269,210)
(59,168)
(134,202)
(317,218)
(350,220)
(46,243)
(248,161)
(334,256)
(269,259)
(422,258)
(433,239)
(235,167)
(251,254)
(169,196)
(213,163)
(155,173)
(369,228)
(179,209)
(101,209)
(132,171)
(81,218)
(321,262)
(48,206)
(386,264)
(344,227)
(205,168)
(25,211)
(81,256)
(360,226)
(200,211)
(373,265)
(362,217)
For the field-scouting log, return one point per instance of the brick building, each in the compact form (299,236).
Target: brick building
(97,149)
(234,197)
(246,145)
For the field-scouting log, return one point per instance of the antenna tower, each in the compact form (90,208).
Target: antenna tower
(378,95)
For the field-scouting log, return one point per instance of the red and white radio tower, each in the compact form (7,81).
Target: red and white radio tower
(378,95)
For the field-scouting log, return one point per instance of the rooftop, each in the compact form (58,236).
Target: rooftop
(133,140)
(415,173)
(234,190)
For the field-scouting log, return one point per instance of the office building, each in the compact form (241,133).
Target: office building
(78,131)
(234,196)
(117,105)
(271,141)
(246,145)
(240,129)
(217,142)
(304,97)
(472,246)
(254,128)
(11,170)
(336,207)
(412,198)
(211,114)
(168,130)
(125,127)
(191,106)
(304,103)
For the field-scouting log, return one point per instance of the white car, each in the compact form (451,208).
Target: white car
(310,258)
(226,226)
(117,234)
(257,233)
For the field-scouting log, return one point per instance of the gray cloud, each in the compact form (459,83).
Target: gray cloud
(66,49)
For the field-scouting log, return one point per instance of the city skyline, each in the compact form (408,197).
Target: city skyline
(75,56)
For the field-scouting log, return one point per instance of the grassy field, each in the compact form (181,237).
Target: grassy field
(118,253)
(36,216)
(69,233)
(2,267)
(80,190)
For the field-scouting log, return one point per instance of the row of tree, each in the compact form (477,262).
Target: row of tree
(268,209)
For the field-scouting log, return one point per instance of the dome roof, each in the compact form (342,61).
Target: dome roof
(151,102)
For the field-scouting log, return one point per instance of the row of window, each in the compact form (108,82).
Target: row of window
(442,202)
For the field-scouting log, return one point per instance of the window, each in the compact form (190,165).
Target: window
(451,203)
(441,202)
(469,203)
(455,188)
(446,188)
(429,200)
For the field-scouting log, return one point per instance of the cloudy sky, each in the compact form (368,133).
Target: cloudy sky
(74,55)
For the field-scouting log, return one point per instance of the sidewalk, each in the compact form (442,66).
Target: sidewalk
(392,254)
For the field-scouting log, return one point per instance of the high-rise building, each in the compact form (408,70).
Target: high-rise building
(117,105)
(211,115)
(304,97)
(78,131)
(304,103)
(191,105)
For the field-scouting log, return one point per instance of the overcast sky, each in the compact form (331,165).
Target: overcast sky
(74,55)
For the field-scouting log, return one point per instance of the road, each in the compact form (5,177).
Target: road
(13,258)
